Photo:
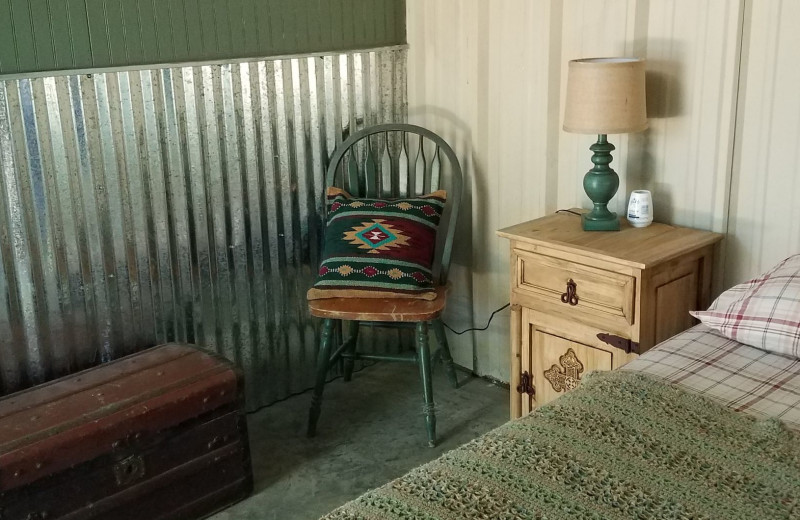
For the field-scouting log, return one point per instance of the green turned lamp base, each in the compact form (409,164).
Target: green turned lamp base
(607,224)
(600,184)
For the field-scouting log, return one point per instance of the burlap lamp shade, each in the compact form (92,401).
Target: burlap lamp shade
(605,96)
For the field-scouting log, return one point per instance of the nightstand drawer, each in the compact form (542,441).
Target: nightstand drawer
(576,289)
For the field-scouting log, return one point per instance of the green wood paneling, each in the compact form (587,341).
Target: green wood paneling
(43,41)
(23,31)
(131,35)
(79,41)
(250,28)
(60,32)
(44,35)
(191,15)
(162,14)
(100,48)
(116,39)
(8,50)
(148,31)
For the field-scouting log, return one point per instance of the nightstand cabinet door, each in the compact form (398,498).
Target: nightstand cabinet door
(559,364)
(556,364)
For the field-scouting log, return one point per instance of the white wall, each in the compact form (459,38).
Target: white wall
(721,151)
(764,224)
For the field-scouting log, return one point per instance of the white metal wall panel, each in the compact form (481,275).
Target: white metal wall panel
(496,111)
(503,97)
(765,198)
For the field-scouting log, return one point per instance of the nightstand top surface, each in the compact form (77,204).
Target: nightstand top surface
(635,247)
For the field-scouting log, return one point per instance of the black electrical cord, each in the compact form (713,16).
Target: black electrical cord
(476,328)
(568,211)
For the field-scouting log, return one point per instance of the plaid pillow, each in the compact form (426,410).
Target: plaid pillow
(378,248)
(763,312)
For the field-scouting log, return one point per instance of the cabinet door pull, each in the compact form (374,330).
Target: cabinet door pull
(570,297)
(526,384)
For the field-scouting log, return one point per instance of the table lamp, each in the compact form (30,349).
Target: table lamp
(604,96)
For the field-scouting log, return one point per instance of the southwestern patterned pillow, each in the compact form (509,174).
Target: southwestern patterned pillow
(378,248)
(763,312)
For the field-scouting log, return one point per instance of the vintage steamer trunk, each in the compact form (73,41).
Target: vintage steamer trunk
(155,435)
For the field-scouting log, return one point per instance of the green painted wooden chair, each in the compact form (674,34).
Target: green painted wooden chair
(392,160)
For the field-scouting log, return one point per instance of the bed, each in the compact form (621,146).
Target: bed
(701,426)
(735,375)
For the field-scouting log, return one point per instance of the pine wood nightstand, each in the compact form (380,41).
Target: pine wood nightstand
(589,300)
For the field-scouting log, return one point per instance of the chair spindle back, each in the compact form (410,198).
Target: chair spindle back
(401,160)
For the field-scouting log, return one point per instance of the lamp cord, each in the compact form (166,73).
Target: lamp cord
(476,328)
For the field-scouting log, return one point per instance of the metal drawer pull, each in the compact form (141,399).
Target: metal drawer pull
(129,470)
(570,297)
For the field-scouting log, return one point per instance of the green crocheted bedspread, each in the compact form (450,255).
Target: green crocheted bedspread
(622,445)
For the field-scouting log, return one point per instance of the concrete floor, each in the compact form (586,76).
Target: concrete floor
(370,432)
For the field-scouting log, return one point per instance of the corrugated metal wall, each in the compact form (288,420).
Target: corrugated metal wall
(175,204)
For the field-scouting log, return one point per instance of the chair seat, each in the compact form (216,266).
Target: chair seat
(380,309)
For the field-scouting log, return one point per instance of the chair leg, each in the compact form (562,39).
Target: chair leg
(424,353)
(322,370)
(336,333)
(447,358)
(352,332)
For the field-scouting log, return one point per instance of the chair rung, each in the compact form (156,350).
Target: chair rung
(389,324)
(339,351)
(410,357)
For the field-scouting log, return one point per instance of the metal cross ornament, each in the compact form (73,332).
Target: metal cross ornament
(569,377)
